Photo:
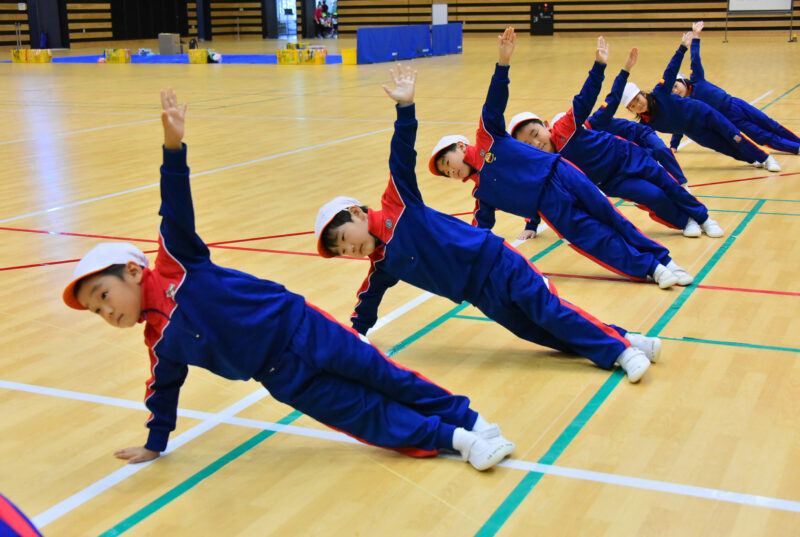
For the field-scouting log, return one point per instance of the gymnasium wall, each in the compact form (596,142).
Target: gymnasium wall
(492,16)
(9,15)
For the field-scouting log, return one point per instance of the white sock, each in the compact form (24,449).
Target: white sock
(480,424)
(462,441)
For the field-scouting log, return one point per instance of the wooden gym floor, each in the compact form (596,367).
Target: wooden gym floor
(706,445)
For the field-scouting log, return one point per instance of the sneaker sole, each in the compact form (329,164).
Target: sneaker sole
(499,453)
(666,283)
(637,374)
(656,351)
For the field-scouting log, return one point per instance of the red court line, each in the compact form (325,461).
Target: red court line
(75,234)
(261,238)
(55,262)
(748,179)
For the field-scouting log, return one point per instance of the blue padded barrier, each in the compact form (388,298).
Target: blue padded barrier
(446,38)
(391,43)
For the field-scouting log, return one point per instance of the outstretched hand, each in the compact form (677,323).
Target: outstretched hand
(697,28)
(405,78)
(173,117)
(633,57)
(687,39)
(601,54)
(505,46)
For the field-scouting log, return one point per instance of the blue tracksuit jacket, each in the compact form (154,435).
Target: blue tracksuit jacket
(696,119)
(753,122)
(448,257)
(523,180)
(242,327)
(618,167)
(603,120)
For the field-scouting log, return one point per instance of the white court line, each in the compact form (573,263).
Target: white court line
(98,487)
(200,174)
(754,101)
(68,133)
(228,417)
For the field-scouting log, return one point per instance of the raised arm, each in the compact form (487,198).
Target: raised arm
(403,156)
(666,83)
(497,98)
(583,102)
(369,298)
(698,74)
(603,115)
(178,233)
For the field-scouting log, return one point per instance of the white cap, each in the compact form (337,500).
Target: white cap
(446,141)
(519,118)
(631,91)
(326,214)
(557,117)
(100,258)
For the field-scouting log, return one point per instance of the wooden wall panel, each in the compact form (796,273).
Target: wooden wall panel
(191,16)
(10,15)
(491,16)
(230,16)
(89,21)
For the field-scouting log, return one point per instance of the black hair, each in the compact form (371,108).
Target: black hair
(685,81)
(523,123)
(652,105)
(330,235)
(442,151)
(117,270)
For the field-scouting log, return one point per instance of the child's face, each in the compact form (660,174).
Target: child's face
(117,301)
(532,133)
(638,104)
(353,238)
(679,89)
(452,163)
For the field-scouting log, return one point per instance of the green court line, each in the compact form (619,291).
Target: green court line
(776,99)
(173,494)
(687,291)
(472,317)
(521,491)
(748,199)
(731,343)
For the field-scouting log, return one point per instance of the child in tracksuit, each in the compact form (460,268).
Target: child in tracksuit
(618,167)
(761,128)
(408,241)
(603,120)
(523,180)
(667,112)
(241,327)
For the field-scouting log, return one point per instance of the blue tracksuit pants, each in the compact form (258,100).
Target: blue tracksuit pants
(330,374)
(662,154)
(643,181)
(580,214)
(517,296)
(718,134)
(761,128)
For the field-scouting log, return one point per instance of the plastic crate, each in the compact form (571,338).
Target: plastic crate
(349,56)
(118,55)
(297,46)
(39,56)
(287,56)
(200,55)
(313,57)
(19,55)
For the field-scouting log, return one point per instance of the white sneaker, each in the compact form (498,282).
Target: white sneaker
(650,346)
(712,229)
(664,277)
(686,187)
(634,363)
(770,164)
(485,453)
(489,431)
(692,229)
(684,278)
